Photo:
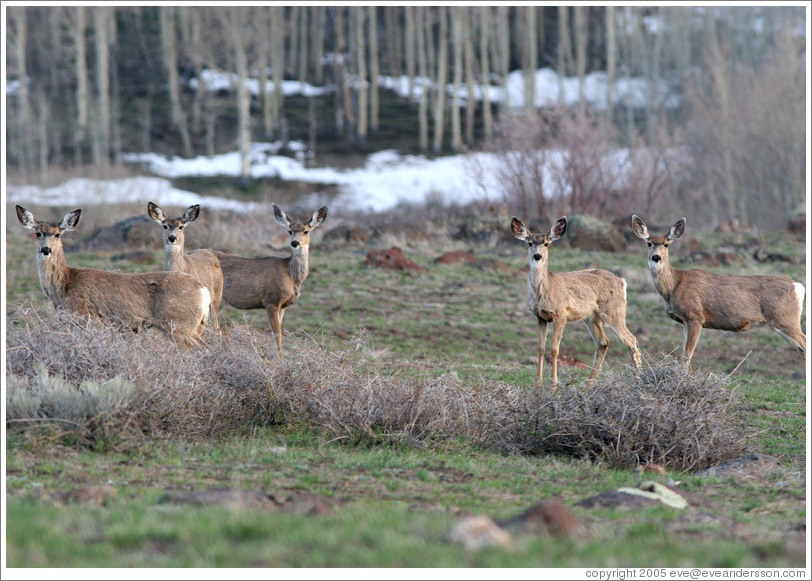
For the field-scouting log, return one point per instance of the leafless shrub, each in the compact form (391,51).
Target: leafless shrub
(99,385)
(667,416)
(559,161)
(747,137)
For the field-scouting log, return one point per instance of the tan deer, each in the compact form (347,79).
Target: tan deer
(271,283)
(699,298)
(202,265)
(595,296)
(171,301)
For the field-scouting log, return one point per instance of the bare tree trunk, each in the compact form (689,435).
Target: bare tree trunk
(374,70)
(304,11)
(359,21)
(530,57)
(394,39)
(292,28)
(581,42)
(277,64)
(82,84)
(339,75)
(170,55)
(422,26)
(262,19)
(410,46)
(235,21)
(43,119)
(503,44)
(318,24)
(196,54)
(17,45)
(457,14)
(442,79)
(652,109)
(485,71)
(611,59)
(470,78)
(101,149)
(564,48)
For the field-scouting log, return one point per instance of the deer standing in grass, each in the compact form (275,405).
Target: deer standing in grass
(700,298)
(172,301)
(202,265)
(595,296)
(271,283)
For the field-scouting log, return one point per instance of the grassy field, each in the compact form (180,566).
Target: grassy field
(380,501)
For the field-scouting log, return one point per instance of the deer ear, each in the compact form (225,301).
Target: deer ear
(26,218)
(677,230)
(191,213)
(280,216)
(318,217)
(154,212)
(519,229)
(639,227)
(559,228)
(70,220)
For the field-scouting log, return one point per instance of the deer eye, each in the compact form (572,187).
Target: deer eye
(56,235)
(180,227)
(530,244)
(649,244)
(38,234)
(166,227)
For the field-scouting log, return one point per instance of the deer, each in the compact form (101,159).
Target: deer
(202,265)
(702,299)
(595,296)
(272,283)
(173,302)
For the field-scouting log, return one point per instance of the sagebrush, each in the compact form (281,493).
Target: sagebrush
(91,382)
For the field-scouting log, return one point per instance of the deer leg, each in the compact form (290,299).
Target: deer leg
(601,346)
(542,342)
(692,331)
(275,320)
(630,341)
(558,332)
(794,336)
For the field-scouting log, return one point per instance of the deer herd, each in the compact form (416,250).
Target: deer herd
(184,298)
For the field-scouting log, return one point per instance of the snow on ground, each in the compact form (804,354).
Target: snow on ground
(386,180)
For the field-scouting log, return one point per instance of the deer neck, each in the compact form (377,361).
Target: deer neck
(298,265)
(665,277)
(174,259)
(54,274)
(539,279)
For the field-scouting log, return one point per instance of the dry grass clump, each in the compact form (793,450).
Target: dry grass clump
(667,416)
(86,380)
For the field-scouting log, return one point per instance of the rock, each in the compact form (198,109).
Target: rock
(646,494)
(391,259)
(479,532)
(752,466)
(589,233)
(230,497)
(456,257)
(547,517)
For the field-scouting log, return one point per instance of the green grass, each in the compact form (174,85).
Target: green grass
(393,505)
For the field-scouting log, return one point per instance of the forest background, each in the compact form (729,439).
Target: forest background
(720,119)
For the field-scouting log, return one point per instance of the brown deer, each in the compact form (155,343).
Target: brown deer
(202,265)
(172,301)
(595,296)
(271,283)
(699,298)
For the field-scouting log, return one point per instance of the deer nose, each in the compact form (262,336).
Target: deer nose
(537,256)
(656,258)
(295,244)
(171,238)
(46,251)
